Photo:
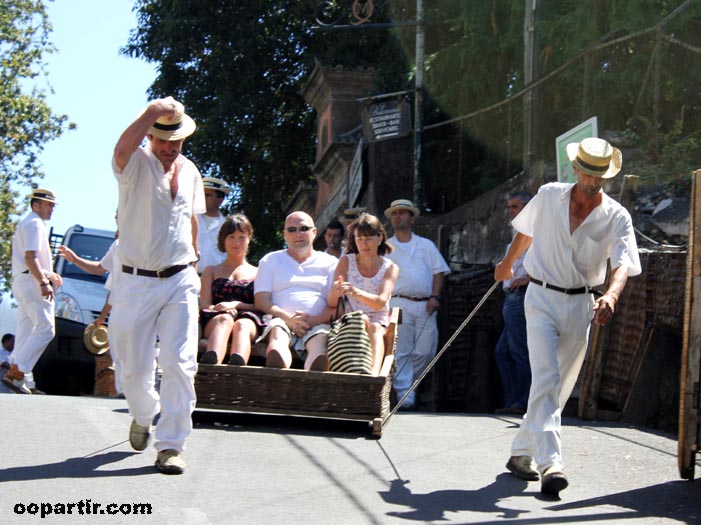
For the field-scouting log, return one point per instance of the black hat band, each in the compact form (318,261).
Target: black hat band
(591,167)
(168,127)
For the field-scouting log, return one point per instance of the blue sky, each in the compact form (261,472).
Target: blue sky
(102,92)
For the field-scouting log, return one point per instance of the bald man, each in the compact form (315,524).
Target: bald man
(292,285)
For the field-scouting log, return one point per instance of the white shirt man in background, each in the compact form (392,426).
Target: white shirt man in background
(209,222)
(418,290)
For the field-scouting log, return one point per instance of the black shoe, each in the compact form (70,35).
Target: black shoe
(236,360)
(209,358)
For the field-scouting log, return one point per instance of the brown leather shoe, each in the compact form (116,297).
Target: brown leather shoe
(554,480)
(169,462)
(522,467)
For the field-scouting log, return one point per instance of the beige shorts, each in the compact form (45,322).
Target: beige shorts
(296,343)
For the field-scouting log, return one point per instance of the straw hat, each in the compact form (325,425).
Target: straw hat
(96,339)
(216,184)
(173,127)
(401,204)
(595,157)
(43,195)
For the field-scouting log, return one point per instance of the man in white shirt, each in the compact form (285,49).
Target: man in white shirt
(160,195)
(569,230)
(292,285)
(209,222)
(418,290)
(33,284)
(511,352)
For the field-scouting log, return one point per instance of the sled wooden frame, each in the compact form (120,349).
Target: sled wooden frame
(294,392)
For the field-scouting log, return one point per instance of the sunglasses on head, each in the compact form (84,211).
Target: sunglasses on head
(303,229)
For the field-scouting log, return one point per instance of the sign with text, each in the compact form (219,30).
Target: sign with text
(588,128)
(386,120)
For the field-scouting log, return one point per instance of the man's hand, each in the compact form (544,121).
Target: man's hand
(47,291)
(503,272)
(603,309)
(299,323)
(166,107)
(67,253)
(56,280)
(432,305)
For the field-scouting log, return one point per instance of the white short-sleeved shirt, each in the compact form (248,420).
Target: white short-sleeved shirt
(294,285)
(418,261)
(208,239)
(31,236)
(576,260)
(155,231)
(110,262)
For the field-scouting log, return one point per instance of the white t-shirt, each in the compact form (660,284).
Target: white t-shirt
(31,236)
(155,231)
(576,260)
(294,285)
(207,240)
(418,260)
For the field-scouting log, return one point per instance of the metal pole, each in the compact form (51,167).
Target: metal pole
(418,103)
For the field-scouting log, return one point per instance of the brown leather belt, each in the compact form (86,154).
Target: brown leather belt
(416,299)
(161,274)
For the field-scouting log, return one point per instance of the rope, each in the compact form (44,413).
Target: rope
(445,347)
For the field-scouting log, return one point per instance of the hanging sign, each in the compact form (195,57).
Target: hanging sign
(386,120)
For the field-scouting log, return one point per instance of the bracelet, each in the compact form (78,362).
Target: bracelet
(43,284)
(436,297)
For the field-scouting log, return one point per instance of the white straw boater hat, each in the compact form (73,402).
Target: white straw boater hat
(96,339)
(216,184)
(43,195)
(401,204)
(595,157)
(174,127)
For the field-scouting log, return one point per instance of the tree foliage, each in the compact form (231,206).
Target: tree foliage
(26,121)
(240,67)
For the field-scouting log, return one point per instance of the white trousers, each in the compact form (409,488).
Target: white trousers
(417,338)
(558,331)
(35,322)
(144,308)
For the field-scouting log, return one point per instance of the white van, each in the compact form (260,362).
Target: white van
(82,295)
(66,367)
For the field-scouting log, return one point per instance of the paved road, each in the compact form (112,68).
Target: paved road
(427,468)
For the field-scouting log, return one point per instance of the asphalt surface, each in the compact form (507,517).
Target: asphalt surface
(243,468)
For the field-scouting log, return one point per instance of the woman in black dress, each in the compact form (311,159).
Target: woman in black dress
(226,297)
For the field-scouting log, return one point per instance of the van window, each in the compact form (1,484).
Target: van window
(90,247)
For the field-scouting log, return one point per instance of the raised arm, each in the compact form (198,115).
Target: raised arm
(133,136)
(93,267)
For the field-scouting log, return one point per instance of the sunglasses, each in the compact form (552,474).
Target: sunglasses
(303,229)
